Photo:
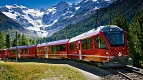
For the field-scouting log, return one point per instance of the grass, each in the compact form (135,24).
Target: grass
(38,71)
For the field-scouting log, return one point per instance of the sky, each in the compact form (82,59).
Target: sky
(38,4)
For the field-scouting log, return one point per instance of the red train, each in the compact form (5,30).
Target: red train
(107,45)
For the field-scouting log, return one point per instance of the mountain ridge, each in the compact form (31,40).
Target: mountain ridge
(47,22)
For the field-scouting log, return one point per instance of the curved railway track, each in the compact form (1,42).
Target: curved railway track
(127,73)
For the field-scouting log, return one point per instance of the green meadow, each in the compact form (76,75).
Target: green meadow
(38,71)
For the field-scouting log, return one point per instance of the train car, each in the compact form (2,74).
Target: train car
(3,53)
(58,49)
(42,50)
(28,51)
(106,45)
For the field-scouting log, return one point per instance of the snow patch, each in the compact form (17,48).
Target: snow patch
(10,15)
(52,10)
(94,0)
(52,23)
(77,8)
(40,33)
(85,1)
(96,8)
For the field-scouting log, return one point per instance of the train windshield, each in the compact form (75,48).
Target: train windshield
(115,38)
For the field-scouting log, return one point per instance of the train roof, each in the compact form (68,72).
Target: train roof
(58,42)
(42,44)
(92,32)
(19,47)
(109,28)
(2,49)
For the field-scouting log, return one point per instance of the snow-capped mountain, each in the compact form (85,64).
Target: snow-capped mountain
(46,22)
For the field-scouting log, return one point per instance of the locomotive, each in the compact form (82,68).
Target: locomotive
(106,45)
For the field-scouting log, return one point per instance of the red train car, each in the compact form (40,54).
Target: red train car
(28,51)
(58,49)
(3,53)
(106,45)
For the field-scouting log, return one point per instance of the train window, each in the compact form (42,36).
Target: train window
(53,49)
(13,52)
(39,49)
(62,47)
(86,43)
(25,50)
(72,46)
(50,48)
(115,38)
(58,48)
(101,43)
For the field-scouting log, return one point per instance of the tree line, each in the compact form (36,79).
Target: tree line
(6,41)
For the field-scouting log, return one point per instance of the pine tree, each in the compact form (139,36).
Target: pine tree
(14,43)
(31,41)
(19,38)
(24,40)
(2,40)
(7,41)
(136,39)
(120,21)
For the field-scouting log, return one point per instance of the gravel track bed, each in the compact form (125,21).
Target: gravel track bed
(128,72)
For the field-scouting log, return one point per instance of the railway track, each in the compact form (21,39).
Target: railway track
(128,73)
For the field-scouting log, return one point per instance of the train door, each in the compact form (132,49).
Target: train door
(79,48)
(17,53)
(101,48)
(46,52)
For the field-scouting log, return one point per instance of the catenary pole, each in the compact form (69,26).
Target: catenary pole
(16,49)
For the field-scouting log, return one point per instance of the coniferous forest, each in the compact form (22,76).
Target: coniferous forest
(7,41)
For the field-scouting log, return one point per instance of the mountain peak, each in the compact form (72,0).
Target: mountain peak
(62,6)
(42,10)
(62,3)
(14,6)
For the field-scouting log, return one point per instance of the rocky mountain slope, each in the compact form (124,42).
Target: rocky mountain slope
(7,23)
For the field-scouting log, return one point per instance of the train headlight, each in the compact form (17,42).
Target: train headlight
(120,54)
(107,53)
